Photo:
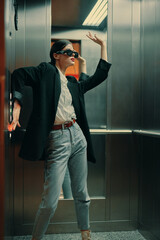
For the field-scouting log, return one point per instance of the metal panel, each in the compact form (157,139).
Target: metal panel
(123,89)
(96,172)
(148,78)
(149,211)
(121,65)
(135,90)
(120,170)
(32,47)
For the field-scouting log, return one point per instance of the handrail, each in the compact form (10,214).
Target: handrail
(110,131)
(118,131)
(147,133)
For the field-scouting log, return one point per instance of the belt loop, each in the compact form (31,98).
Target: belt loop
(62,126)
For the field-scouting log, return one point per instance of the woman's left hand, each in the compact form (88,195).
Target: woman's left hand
(95,38)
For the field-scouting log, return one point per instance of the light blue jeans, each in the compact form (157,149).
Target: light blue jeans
(66,186)
(64,147)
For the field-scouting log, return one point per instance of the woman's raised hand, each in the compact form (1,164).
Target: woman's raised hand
(100,42)
(95,39)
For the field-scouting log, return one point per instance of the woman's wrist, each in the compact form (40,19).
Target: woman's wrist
(103,44)
(83,63)
(104,51)
(16,104)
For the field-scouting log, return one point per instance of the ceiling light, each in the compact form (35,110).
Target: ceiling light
(97,14)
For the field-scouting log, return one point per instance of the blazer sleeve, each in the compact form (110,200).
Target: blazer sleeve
(26,76)
(83,76)
(98,77)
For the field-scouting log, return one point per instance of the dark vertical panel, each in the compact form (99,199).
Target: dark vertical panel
(156,227)
(32,188)
(123,172)
(147,176)
(96,172)
(149,211)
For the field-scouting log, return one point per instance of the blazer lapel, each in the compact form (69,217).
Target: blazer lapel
(57,89)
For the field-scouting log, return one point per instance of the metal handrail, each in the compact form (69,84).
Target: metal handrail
(119,131)
(110,131)
(147,133)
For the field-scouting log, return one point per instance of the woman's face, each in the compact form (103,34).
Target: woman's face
(63,59)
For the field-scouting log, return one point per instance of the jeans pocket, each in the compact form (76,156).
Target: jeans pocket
(54,135)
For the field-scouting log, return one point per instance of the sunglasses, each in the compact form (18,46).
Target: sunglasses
(68,52)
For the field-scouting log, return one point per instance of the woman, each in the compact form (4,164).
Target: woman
(58,130)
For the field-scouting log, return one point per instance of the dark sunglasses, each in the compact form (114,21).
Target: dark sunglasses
(68,52)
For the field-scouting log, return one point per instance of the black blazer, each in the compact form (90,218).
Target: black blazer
(45,82)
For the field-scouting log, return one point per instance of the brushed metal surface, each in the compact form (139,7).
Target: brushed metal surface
(147,133)
(124,86)
(149,212)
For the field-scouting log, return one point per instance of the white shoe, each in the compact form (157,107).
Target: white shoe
(86,235)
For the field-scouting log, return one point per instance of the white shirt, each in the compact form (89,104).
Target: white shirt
(65,110)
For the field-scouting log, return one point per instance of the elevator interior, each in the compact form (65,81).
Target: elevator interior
(125,122)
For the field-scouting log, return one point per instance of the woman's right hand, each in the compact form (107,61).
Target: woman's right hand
(16,114)
(100,42)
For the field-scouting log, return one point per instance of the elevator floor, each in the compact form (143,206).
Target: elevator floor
(129,235)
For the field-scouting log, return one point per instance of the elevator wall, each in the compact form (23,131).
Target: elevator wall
(149,138)
(133,97)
